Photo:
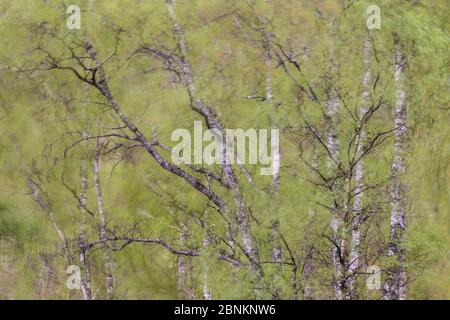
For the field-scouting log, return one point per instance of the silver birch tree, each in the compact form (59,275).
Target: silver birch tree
(395,285)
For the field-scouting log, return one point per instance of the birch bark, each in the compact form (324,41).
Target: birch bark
(395,286)
(45,205)
(182,269)
(336,223)
(277,253)
(85,268)
(107,261)
(206,290)
(242,214)
(267,56)
(359,173)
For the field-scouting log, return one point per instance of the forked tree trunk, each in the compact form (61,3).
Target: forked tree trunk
(242,214)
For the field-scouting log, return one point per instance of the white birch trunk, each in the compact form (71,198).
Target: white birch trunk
(51,217)
(107,261)
(277,253)
(86,273)
(206,290)
(267,47)
(307,292)
(183,269)
(395,286)
(242,214)
(335,224)
(277,259)
(359,173)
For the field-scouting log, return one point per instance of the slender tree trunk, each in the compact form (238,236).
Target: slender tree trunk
(45,205)
(395,286)
(307,289)
(107,261)
(339,207)
(359,174)
(206,290)
(182,275)
(266,38)
(242,214)
(205,265)
(276,258)
(183,268)
(267,56)
(86,272)
(336,223)
(277,253)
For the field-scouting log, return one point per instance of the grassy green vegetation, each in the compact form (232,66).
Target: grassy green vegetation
(45,108)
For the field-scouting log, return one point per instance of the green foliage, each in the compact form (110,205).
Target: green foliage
(43,112)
